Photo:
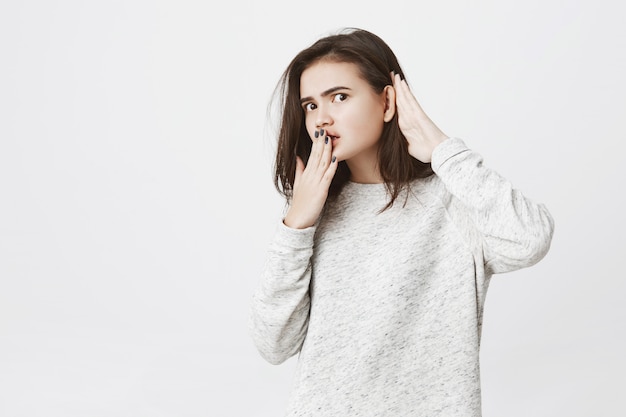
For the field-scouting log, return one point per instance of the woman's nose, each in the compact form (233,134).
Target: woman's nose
(323,117)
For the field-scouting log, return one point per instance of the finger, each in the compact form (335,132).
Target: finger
(330,171)
(400,91)
(402,88)
(405,97)
(396,80)
(326,154)
(408,94)
(299,169)
(299,165)
(317,149)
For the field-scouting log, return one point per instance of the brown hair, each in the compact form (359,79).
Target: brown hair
(375,61)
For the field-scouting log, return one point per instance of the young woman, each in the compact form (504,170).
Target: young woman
(378,272)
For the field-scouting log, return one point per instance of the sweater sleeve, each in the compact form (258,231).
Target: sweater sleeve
(280,305)
(514,231)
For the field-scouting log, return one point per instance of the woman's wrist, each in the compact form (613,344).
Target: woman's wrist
(293,221)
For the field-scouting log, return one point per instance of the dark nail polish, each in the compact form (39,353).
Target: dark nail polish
(317,134)
(334,159)
(326,140)
(321,132)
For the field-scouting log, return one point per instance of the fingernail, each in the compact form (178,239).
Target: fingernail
(334,159)
(321,132)
(317,134)
(326,140)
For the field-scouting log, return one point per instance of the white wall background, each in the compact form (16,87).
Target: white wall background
(136,201)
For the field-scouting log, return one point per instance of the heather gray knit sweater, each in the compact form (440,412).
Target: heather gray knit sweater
(386,309)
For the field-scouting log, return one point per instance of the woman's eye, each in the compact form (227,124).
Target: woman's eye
(309,107)
(341,97)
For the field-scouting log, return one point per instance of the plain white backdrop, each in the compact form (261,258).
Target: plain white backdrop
(136,196)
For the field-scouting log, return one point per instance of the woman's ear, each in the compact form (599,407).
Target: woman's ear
(389,95)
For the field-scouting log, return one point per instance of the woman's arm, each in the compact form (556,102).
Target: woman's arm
(280,305)
(513,231)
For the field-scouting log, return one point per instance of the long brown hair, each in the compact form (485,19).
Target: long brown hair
(375,61)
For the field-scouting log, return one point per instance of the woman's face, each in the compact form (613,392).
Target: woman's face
(335,98)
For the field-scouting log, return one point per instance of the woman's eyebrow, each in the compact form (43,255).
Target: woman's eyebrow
(325,93)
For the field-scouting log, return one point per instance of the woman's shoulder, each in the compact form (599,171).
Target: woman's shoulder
(429,185)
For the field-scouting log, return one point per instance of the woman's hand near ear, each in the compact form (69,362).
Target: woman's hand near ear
(421,133)
(311,184)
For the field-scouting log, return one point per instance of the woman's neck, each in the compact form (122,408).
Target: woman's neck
(364,170)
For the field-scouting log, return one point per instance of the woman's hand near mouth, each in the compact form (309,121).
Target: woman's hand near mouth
(311,183)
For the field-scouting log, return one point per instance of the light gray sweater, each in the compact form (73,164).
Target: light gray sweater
(386,308)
